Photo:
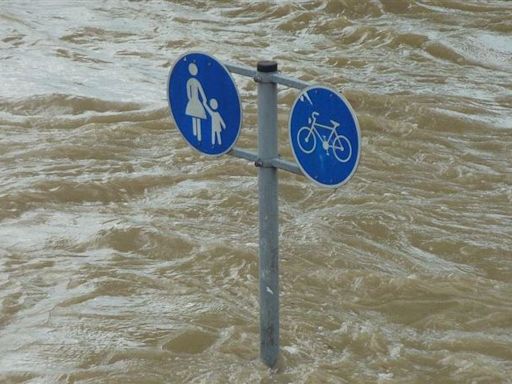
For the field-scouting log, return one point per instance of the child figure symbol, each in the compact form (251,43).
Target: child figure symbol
(218,123)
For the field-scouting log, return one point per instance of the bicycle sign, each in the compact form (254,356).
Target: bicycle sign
(324,136)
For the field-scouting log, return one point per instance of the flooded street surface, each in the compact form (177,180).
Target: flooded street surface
(125,257)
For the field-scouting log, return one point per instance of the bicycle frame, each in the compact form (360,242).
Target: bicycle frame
(314,126)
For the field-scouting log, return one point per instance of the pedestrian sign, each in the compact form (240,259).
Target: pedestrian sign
(324,136)
(204,103)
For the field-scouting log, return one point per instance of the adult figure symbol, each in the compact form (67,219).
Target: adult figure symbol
(195,108)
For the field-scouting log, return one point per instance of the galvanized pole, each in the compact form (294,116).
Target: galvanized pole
(268,213)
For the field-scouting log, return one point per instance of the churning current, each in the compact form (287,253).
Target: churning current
(126,257)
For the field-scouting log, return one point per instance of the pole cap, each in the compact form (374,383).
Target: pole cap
(266,66)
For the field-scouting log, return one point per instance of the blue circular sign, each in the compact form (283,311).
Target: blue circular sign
(324,136)
(204,103)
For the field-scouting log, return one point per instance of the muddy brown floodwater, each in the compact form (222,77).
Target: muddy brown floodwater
(125,257)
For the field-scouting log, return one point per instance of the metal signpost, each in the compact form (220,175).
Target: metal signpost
(324,136)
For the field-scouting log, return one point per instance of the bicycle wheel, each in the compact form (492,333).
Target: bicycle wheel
(306,139)
(342,148)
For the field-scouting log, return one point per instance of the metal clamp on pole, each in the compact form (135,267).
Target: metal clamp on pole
(268,213)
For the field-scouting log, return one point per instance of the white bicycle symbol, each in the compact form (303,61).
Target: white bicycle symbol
(340,145)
